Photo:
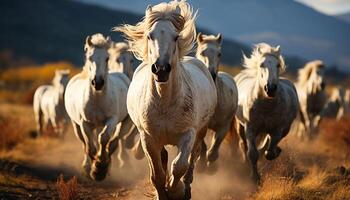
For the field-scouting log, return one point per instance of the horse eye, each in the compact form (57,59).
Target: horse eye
(176,38)
(219,55)
(262,65)
(107,59)
(279,66)
(202,53)
(118,60)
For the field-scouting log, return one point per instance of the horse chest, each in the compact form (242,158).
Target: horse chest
(172,121)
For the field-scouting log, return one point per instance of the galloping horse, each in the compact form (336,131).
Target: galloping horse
(172,97)
(312,97)
(209,51)
(267,105)
(48,104)
(96,101)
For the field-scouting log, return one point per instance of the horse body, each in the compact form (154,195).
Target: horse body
(96,101)
(48,104)
(183,111)
(267,106)
(209,51)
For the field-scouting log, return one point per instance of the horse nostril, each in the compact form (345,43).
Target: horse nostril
(154,69)
(93,82)
(168,67)
(323,85)
(266,88)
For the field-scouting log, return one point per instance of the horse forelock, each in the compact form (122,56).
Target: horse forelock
(183,23)
(258,55)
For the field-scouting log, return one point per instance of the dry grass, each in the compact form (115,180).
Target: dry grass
(17,85)
(14,127)
(67,190)
(311,170)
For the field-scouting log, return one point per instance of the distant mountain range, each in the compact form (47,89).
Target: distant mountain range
(56,30)
(300,30)
(345,17)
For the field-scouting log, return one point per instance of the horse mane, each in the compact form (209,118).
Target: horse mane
(183,22)
(305,72)
(257,57)
(118,48)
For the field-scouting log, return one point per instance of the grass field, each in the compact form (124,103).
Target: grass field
(31,167)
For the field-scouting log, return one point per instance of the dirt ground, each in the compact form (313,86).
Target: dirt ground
(305,170)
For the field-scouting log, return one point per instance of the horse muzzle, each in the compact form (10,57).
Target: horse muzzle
(271,90)
(97,83)
(161,72)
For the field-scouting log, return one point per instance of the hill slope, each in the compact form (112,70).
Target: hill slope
(56,30)
(300,30)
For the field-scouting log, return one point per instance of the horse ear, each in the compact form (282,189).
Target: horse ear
(219,38)
(278,49)
(200,37)
(178,10)
(148,9)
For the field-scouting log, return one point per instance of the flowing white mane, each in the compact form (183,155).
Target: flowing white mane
(183,22)
(258,56)
(305,72)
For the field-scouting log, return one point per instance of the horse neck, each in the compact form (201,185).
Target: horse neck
(168,92)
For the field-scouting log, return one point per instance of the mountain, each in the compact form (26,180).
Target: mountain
(345,17)
(300,30)
(56,30)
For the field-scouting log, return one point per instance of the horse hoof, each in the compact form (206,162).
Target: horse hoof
(271,155)
(178,192)
(99,170)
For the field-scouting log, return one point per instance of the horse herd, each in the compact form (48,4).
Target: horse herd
(173,99)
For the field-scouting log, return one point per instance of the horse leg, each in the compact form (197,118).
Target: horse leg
(102,159)
(130,138)
(188,177)
(242,142)
(138,151)
(213,152)
(180,164)
(201,165)
(274,150)
(39,120)
(87,161)
(252,154)
(152,151)
(123,158)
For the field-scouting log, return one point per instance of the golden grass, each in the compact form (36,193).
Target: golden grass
(17,85)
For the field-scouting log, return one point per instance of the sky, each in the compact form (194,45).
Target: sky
(330,7)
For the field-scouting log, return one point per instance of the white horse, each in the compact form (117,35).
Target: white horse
(312,97)
(48,104)
(209,51)
(267,105)
(96,101)
(121,59)
(172,97)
